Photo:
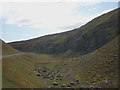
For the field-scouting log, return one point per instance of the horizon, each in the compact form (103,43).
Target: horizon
(17,26)
(54,33)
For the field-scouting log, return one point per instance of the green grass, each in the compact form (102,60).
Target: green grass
(16,70)
(96,67)
(7,49)
(90,69)
(61,40)
(101,64)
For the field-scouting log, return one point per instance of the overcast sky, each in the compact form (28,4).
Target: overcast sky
(26,20)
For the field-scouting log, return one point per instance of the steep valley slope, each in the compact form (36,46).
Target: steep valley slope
(85,39)
(96,69)
(80,58)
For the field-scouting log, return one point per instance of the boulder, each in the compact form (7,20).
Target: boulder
(77,80)
(75,84)
(72,83)
(60,78)
(69,85)
(38,75)
(68,74)
(44,70)
(55,83)
(63,85)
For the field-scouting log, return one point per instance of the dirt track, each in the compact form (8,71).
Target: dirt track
(11,55)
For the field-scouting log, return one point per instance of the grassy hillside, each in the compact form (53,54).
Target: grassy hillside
(92,70)
(18,70)
(7,49)
(88,54)
(99,66)
(85,39)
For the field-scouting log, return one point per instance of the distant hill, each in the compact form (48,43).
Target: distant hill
(85,39)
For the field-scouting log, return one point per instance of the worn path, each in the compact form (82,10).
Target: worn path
(11,55)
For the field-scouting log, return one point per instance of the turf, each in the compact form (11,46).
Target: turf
(91,69)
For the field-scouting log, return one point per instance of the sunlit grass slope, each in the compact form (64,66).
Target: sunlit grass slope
(7,49)
(18,71)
